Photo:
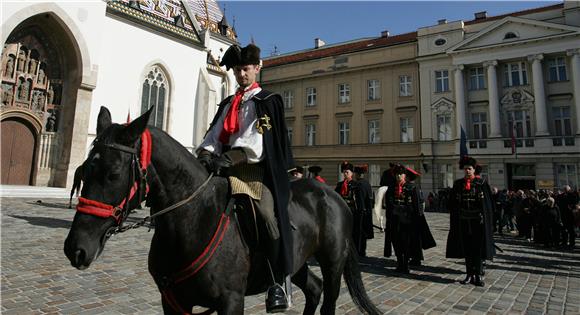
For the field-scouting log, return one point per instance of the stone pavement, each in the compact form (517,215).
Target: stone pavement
(36,277)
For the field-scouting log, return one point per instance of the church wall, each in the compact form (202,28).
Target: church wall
(128,51)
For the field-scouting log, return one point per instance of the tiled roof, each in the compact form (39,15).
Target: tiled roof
(213,9)
(334,50)
(518,13)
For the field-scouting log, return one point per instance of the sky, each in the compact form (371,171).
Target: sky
(289,26)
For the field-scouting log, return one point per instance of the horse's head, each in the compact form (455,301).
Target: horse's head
(111,187)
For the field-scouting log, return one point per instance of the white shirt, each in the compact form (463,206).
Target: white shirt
(247,137)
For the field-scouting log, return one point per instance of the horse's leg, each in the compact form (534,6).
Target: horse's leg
(332,268)
(232,304)
(311,285)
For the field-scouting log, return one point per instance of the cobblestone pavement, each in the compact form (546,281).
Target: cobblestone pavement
(38,279)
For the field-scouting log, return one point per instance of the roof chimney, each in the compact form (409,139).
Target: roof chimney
(385,33)
(442,21)
(318,43)
(480,15)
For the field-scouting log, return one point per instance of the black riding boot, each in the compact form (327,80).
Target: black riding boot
(478,281)
(276,300)
(468,279)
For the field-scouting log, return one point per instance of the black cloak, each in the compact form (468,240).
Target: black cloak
(454,240)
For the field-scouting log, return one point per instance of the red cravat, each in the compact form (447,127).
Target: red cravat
(231,124)
(399,189)
(344,188)
(468,183)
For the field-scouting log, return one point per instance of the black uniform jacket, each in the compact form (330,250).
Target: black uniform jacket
(277,161)
(418,224)
(454,239)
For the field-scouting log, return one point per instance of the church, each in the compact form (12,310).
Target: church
(62,61)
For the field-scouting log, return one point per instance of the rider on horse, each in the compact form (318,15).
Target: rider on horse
(247,141)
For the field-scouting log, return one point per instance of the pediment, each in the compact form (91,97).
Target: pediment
(516,97)
(442,106)
(512,30)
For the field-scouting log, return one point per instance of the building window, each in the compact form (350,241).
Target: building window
(445,176)
(290,131)
(406,130)
(288,99)
(566,175)
(374,131)
(310,96)
(343,132)
(562,126)
(520,128)
(343,93)
(310,132)
(155,93)
(442,81)
(515,74)
(476,79)
(374,90)
(405,85)
(479,123)
(444,127)
(557,69)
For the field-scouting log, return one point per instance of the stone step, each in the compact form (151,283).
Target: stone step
(19,191)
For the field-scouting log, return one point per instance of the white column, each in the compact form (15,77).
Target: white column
(460,100)
(493,97)
(575,56)
(539,95)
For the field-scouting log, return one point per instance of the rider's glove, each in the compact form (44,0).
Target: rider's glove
(205,158)
(231,158)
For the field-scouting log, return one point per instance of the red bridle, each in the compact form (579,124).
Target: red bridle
(104,210)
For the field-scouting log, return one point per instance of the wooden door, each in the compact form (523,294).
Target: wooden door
(18,145)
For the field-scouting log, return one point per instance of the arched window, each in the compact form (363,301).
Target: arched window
(155,93)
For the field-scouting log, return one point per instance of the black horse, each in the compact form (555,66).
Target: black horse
(197,231)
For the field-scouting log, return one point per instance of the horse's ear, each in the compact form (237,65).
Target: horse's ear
(134,130)
(104,120)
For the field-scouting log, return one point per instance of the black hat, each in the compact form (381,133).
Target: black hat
(402,169)
(315,169)
(238,56)
(467,160)
(361,169)
(346,166)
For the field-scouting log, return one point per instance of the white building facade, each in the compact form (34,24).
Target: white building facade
(512,83)
(62,61)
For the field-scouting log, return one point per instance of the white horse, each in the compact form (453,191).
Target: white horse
(378,208)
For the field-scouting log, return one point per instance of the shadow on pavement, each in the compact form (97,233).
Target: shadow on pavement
(49,204)
(386,267)
(43,221)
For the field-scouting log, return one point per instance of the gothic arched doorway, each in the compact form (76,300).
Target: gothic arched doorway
(41,75)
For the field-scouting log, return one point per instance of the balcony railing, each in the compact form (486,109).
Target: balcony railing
(479,144)
(520,142)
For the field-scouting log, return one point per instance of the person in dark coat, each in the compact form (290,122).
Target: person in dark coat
(363,219)
(567,202)
(349,191)
(407,230)
(550,217)
(471,222)
(247,141)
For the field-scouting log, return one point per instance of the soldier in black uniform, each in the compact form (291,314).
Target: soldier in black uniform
(407,229)
(471,226)
(363,218)
(349,191)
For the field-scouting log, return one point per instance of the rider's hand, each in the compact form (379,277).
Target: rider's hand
(204,157)
(221,164)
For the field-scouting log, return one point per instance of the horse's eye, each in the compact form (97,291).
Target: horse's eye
(113,177)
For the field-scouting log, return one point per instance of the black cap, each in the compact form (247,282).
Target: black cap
(346,166)
(467,160)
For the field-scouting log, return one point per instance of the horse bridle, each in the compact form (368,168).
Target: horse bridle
(137,185)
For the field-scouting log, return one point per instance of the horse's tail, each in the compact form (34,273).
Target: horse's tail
(355,285)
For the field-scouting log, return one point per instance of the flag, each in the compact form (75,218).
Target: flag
(513,140)
(463,145)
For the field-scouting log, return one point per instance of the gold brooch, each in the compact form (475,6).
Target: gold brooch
(263,122)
